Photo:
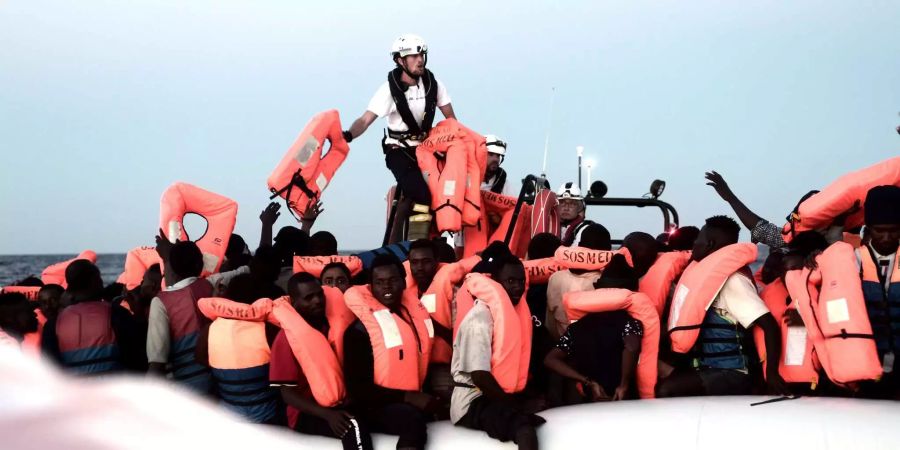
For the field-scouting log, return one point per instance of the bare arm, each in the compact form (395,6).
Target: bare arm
(268,217)
(747,217)
(362,124)
(556,361)
(630,356)
(337,419)
(486,382)
(447,111)
(772,333)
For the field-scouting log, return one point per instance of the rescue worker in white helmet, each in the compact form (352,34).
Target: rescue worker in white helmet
(494,175)
(407,100)
(571,213)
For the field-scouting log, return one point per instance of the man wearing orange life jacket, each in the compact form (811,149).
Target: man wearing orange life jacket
(407,100)
(595,237)
(174,322)
(90,336)
(880,271)
(600,351)
(304,413)
(480,401)
(17,318)
(386,355)
(720,365)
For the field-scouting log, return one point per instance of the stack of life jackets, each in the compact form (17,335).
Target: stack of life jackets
(401,342)
(512,328)
(220,213)
(690,316)
(640,307)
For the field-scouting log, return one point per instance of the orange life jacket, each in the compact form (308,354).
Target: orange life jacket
(400,350)
(478,237)
(511,340)
(834,312)
(820,210)
(640,307)
(137,261)
(538,271)
(303,173)
(220,214)
(855,240)
(476,164)
(587,259)
(697,289)
(438,299)
(30,292)
(442,157)
(657,282)
(410,281)
(56,273)
(794,367)
(314,264)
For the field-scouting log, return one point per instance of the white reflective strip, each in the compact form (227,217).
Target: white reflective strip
(449,187)
(795,346)
(389,331)
(321,182)
(681,293)
(429,301)
(174,233)
(430,326)
(305,152)
(837,310)
(210,262)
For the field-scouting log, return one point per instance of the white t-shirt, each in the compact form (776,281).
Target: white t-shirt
(382,104)
(471,353)
(738,301)
(507,186)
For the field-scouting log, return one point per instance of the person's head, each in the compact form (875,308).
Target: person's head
(113,291)
(410,53)
(571,202)
(445,252)
(387,280)
(618,274)
(265,265)
(17,316)
(151,283)
(807,242)
(322,243)
(50,299)
(773,267)
(509,272)
(307,296)
(30,281)
(186,260)
(882,216)
(237,253)
(336,275)
(543,245)
(643,248)
(288,242)
(423,263)
(83,280)
(496,152)
(242,288)
(718,232)
(683,238)
(595,237)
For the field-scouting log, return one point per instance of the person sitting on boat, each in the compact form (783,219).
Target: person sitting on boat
(594,237)
(485,397)
(643,249)
(880,269)
(761,230)
(407,100)
(600,351)
(571,213)
(494,176)
(720,364)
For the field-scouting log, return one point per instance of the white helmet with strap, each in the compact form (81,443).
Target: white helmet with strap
(569,191)
(495,145)
(408,44)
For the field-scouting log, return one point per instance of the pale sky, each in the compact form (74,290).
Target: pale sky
(103,104)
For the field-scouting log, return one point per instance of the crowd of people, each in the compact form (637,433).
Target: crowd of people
(344,351)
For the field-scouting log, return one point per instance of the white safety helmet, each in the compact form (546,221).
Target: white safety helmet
(408,44)
(569,191)
(495,145)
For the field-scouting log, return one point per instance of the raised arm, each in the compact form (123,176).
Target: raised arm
(747,217)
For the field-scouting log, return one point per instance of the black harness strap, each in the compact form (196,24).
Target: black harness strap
(497,187)
(398,92)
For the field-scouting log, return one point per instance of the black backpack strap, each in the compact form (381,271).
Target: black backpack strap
(497,188)
(398,92)
(431,92)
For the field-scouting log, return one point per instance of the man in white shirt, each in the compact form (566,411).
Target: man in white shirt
(720,365)
(407,100)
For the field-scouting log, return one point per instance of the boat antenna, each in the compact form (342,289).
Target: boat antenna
(547,140)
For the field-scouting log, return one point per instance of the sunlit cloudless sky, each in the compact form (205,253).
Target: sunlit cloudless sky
(103,104)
